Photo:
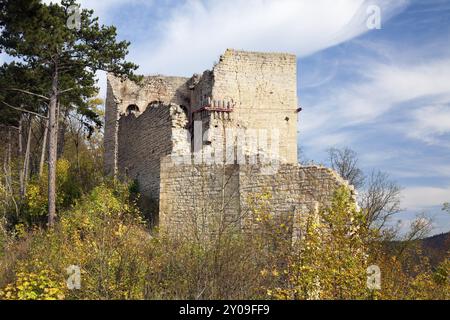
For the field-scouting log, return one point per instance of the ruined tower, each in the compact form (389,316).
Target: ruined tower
(249,94)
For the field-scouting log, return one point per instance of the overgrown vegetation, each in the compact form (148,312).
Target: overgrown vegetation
(120,258)
(93,223)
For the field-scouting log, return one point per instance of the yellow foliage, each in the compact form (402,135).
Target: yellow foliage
(37,190)
(105,237)
(34,286)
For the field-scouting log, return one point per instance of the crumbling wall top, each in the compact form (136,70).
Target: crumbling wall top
(151,89)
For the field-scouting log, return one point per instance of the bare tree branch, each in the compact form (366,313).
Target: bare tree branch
(30,93)
(345,162)
(380,200)
(380,196)
(66,90)
(24,110)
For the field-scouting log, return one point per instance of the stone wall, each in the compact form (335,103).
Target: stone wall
(123,93)
(294,191)
(193,195)
(261,88)
(264,87)
(144,139)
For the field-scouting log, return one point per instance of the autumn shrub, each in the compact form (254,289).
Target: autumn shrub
(9,206)
(70,186)
(5,203)
(328,260)
(408,275)
(3,236)
(34,286)
(103,235)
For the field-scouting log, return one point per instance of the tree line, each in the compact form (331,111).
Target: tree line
(52,78)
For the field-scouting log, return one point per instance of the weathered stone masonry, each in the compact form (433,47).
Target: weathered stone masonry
(148,123)
(190,192)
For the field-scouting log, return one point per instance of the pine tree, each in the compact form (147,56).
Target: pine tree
(40,35)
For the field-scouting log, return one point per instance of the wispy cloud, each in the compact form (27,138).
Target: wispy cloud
(381,88)
(192,34)
(424,197)
(329,139)
(197,32)
(420,167)
(431,124)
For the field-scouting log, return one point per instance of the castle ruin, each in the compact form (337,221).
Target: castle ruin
(173,135)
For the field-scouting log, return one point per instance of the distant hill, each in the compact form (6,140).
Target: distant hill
(440,241)
(436,247)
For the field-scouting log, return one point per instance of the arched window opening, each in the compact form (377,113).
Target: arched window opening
(132,109)
(153,104)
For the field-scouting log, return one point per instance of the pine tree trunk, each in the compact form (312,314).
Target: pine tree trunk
(8,174)
(26,162)
(52,149)
(62,128)
(77,151)
(44,149)
(21,189)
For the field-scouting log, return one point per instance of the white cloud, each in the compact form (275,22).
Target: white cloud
(329,139)
(375,158)
(411,93)
(415,198)
(383,88)
(431,124)
(434,118)
(420,168)
(197,32)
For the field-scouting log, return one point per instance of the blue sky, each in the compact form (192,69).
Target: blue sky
(384,93)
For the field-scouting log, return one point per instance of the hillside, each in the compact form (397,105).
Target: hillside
(436,247)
